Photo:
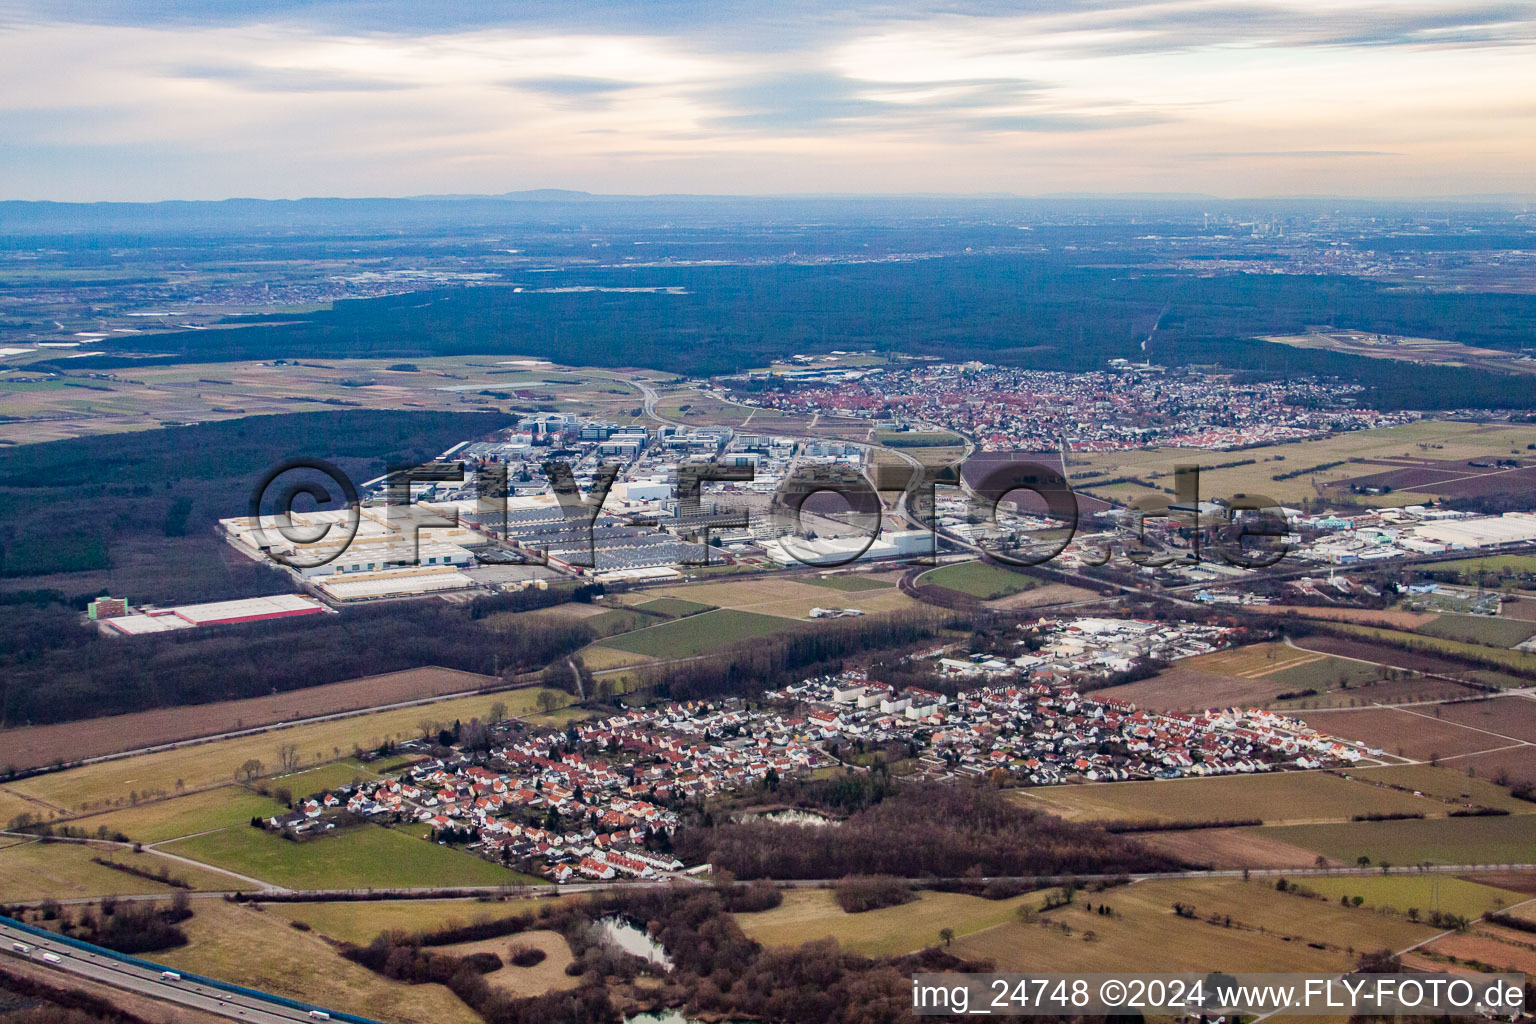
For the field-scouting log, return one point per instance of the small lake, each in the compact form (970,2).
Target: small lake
(634,940)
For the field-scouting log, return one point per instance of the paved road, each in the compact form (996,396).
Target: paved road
(112,972)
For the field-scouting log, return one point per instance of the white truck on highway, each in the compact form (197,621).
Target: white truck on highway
(169,976)
(21,947)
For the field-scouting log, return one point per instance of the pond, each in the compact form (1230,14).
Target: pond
(633,940)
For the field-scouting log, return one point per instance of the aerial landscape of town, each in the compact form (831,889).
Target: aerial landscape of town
(897,525)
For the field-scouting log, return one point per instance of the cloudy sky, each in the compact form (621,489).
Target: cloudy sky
(203,99)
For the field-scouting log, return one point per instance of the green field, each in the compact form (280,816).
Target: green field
(1422,892)
(1273,797)
(1498,565)
(1480,629)
(1325,674)
(847,584)
(36,871)
(918,439)
(673,607)
(1446,784)
(187,815)
(978,579)
(1501,840)
(620,620)
(699,634)
(369,857)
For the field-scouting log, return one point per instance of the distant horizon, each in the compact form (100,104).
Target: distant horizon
(115,100)
(558,194)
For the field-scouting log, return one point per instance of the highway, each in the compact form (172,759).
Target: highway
(143,980)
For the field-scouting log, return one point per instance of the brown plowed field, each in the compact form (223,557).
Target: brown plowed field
(35,746)
(1414,735)
(1229,848)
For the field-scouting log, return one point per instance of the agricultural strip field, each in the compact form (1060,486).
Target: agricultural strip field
(981,580)
(360,921)
(366,857)
(109,785)
(185,815)
(810,914)
(699,634)
(36,871)
(1144,933)
(1501,948)
(1406,732)
(1272,797)
(240,944)
(38,745)
(1422,892)
(1500,840)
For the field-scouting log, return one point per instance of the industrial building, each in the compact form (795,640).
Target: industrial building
(221,613)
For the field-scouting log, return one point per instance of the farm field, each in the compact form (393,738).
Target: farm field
(810,914)
(38,745)
(109,784)
(1422,892)
(1253,661)
(1392,618)
(981,580)
(1446,784)
(1182,688)
(1504,840)
(1499,565)
(611,621)
(698,634)
(781,596)
(674,607)
(184,815)
(1414,733)
(240,944)
(360,921)
(1501,948)
(1519,660)
(1506,716)
(1480,629)
(327,776)
(849,582)
(1515,763)
(1273,797)
(599,658)
(35,871)
(1423,440)
(367,857)
(1229,848)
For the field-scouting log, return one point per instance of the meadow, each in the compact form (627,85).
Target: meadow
(848,583)
(1424,893)
(365,857)
(810,914)
(36,871)
(240,943)
(776,594)
(203,811)
(1480,629)
(981,580)
(698,634)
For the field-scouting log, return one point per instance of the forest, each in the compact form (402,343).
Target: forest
(916,830)
(1043,312)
